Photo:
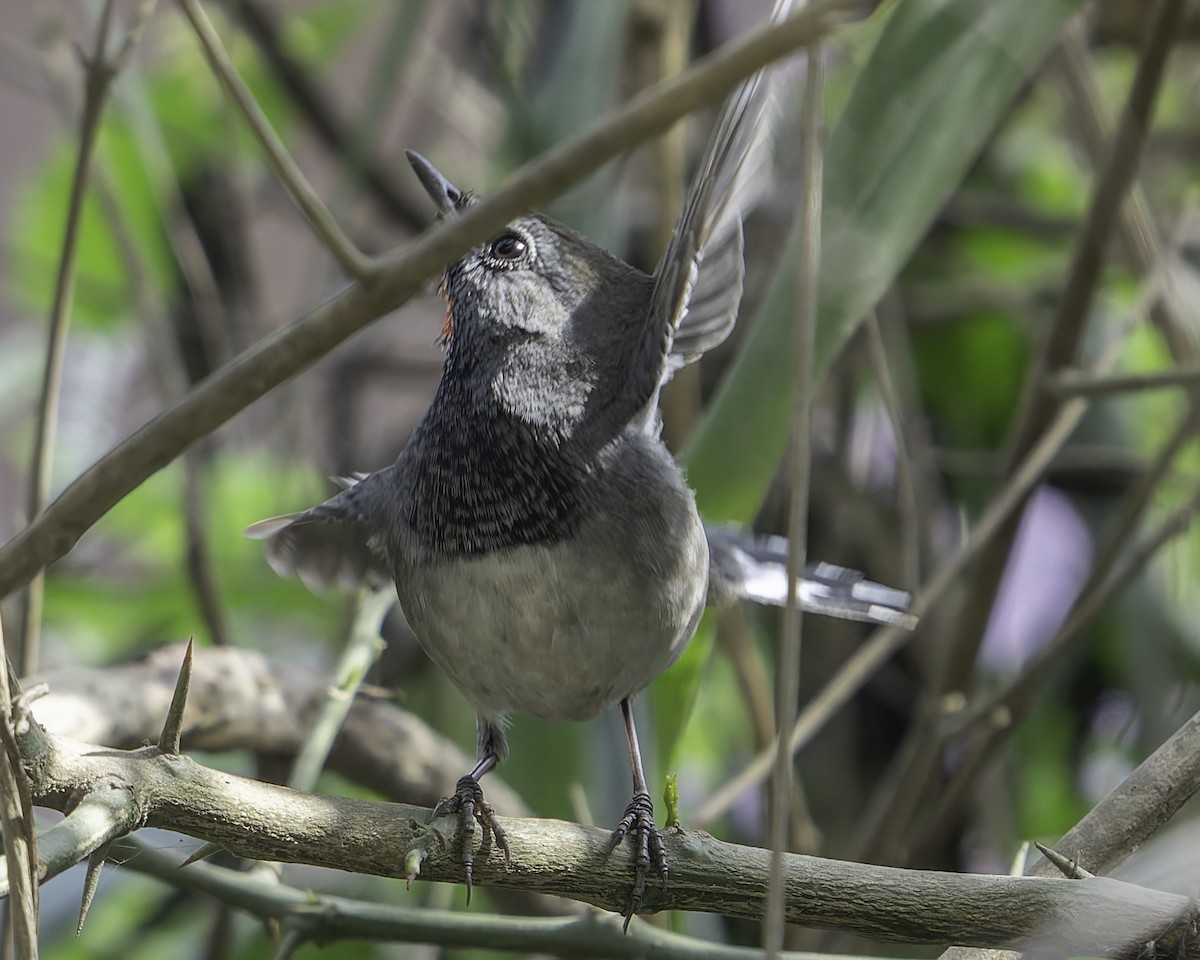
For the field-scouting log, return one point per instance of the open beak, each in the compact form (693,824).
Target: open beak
(446,196)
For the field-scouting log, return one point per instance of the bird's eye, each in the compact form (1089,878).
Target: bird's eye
(508,247)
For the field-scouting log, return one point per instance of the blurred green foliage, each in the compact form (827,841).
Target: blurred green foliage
(954,189)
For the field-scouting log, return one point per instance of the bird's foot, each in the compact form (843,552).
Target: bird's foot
(468,803)
(638,823)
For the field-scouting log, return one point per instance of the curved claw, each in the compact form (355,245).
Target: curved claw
(638,823)
(468,803)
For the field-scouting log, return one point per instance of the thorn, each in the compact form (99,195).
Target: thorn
(14,684)
(172,730)
(1068,866)
(91,882)
(203,853)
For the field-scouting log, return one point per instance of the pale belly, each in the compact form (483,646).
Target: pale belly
(559,631)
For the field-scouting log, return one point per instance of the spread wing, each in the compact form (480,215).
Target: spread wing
(698,283)
(326,544)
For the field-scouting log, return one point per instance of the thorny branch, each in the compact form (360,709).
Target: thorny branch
(146,787)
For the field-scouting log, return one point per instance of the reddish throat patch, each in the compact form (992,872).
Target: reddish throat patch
(448,323)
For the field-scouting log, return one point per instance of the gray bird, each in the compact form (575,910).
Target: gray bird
(544,546)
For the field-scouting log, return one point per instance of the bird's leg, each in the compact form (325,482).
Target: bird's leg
(468,803)
(638,823)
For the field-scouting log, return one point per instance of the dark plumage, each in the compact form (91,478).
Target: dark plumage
(544,545)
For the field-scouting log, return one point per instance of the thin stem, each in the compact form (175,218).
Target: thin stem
(97,82)
(906,491)
(324,918)
(1136,227)
(900,795)
(1075,383)
(17,831)
(799,475)
(286,169)
(362,650)
(320,113)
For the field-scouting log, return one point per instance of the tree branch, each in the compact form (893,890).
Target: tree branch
(1097,916)
(340,247)
(243,700)
(319,918)
(1128,816)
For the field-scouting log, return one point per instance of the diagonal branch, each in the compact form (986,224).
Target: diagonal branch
(286,169)
(101,69)
(1129,815)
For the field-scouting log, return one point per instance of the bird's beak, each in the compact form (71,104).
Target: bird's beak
(446,196)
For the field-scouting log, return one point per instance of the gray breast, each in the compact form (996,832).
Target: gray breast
(565,628)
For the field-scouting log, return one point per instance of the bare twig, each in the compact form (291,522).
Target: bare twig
(887,640)
(1075,383)
(395,278)
(98,76)
(988,721)
(244,700)
(1112,187)
(906,493)
(362,650)
(799,478)
(660,42)
(1136,226)
(737,642)
(1146,800)
(322,918)
(199,562)
(1127,516)
(321,114)
(1017,696)
(106,811)
(286,169)
(17,827)
(1129,815)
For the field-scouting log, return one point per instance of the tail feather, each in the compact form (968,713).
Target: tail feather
(746,567)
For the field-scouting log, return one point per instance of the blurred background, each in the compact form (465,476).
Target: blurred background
(954,208)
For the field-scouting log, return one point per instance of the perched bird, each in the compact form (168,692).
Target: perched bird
(544,546)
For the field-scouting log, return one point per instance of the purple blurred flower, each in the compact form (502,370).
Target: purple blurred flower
(1045,573)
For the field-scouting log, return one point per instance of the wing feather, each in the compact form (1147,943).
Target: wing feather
(698,283)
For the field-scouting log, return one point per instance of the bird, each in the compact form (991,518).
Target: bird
(543,543)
